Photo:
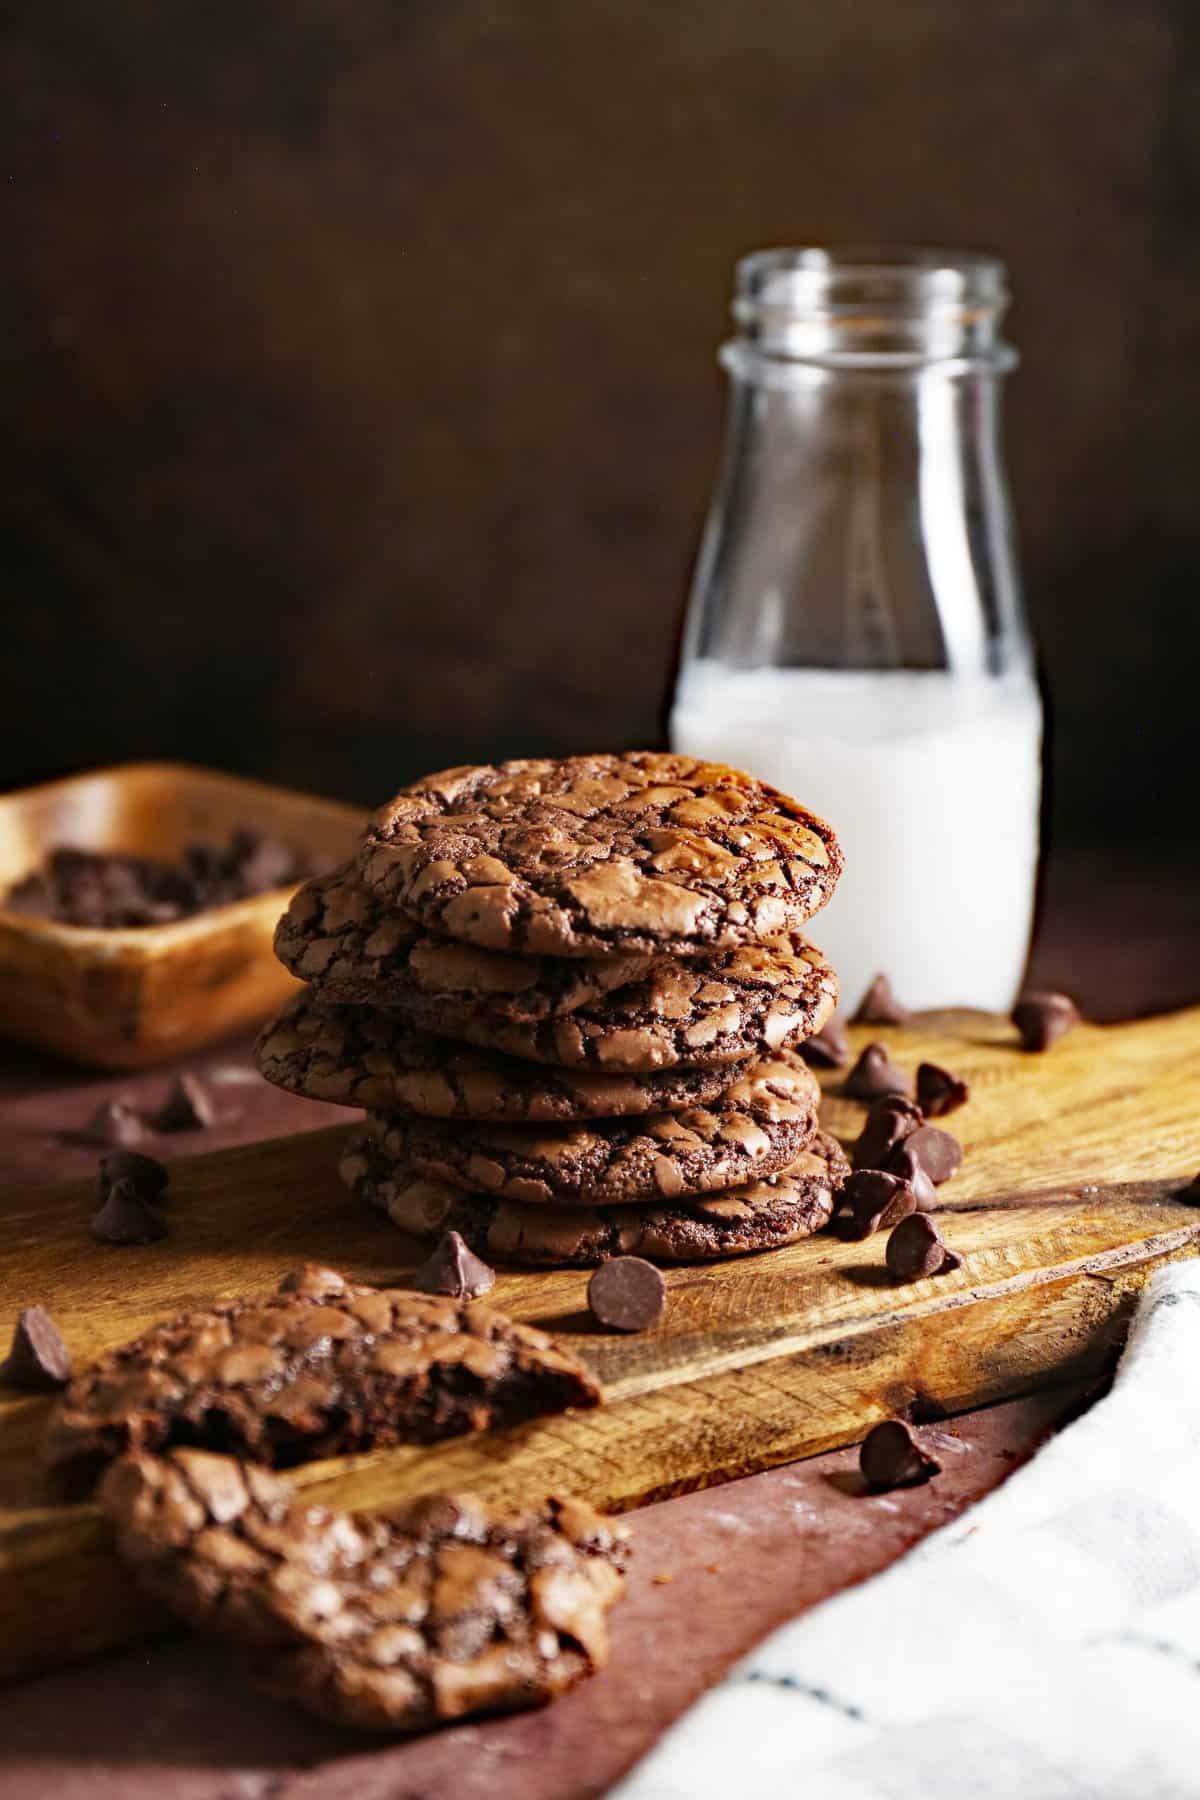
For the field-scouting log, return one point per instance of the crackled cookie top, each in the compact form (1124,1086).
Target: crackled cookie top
(317,1368)
(340,936)
(758,1125)
(442,1608)
(688,1013)
(359,1057)
(594,854)
(733,1222)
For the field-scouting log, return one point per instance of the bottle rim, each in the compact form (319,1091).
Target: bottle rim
(871,308)
(825,282)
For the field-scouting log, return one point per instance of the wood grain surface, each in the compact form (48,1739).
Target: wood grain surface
(1066,1201)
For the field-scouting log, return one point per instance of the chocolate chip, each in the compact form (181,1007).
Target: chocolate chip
(113,1123)
(147,1174)
(109,890)
(1042,1018)
(937,1152)
(38,1359)
(874,1074)
(454,1269)
(879,1006)
(871,1199)
(828,1048)
(188,1106)
(889,1121)
(905,1166)
(627,1294)
(916,1249)
(890,1457)
(1190,1195)
(126,1218)
(938,1091)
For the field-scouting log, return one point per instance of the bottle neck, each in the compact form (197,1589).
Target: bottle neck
(870,312)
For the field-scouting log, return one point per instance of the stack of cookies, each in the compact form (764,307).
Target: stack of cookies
(571,995)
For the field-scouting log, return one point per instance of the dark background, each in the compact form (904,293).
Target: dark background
(360,407)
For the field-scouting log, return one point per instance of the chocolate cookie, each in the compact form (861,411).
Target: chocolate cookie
(317,1368)
(762,1215)
(337,934)
(359,1057)
(436,1610)
(698,1013)
(595,854)
(758,1126)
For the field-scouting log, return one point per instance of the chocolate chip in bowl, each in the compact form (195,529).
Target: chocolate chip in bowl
(110,890)
(109,961)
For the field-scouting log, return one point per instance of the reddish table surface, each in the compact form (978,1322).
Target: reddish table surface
(714,1571)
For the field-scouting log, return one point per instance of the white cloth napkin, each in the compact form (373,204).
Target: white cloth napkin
(1044,1646)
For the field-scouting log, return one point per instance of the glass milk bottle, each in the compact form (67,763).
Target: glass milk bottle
(855,633)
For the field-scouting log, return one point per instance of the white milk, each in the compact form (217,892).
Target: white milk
(932,783)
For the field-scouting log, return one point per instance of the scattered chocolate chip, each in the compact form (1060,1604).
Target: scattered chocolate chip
(1190,1195)
(113,1124)
(454,1269)
(871,1199)
(916,1249)
(126,1218)
(879,1006)
(875,1074)
(38,1360)
(923,1409)
(890,1457)
(627,1294)
(188,1106)
(889,1121)
(147,1174)
(938,1091)
(905,1166)
(1042,1018)
(937,1152)
(828,1048)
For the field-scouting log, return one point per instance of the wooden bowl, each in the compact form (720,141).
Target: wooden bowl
(128,999)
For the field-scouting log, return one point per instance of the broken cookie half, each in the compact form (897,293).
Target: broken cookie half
(319,1368)
(436,1610)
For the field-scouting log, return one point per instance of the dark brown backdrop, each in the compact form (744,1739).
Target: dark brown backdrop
(360,406)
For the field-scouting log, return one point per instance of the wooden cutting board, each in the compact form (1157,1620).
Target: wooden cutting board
(1064,1205)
